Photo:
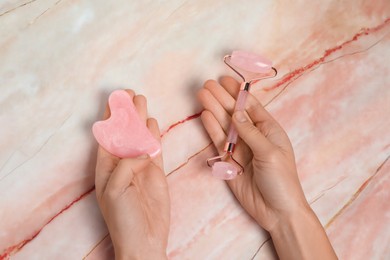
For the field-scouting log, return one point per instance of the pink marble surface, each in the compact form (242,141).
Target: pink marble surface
(59,59)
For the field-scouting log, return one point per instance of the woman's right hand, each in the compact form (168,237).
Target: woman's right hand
(269,189)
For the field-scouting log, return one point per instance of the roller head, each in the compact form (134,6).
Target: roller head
(224,170)
(250,62)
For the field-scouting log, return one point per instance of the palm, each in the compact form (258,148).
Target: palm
(264,193)
(151,202)
(246,189)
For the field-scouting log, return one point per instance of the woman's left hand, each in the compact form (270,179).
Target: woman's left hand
(133,197)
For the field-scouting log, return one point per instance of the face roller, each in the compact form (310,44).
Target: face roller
(251,68)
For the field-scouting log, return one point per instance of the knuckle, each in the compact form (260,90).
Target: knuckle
(249,129)
(209,83)
(130,92)
(141,99)
(251,107)
(202,93)
(269,128)
(265,127)
(99,196)
(273,155)
(252,130)
(152,120)
(228,79)
(111,194)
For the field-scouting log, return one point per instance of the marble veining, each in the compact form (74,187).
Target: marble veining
(59,60)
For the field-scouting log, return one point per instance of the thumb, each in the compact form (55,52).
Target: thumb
(250,134)
(123,174)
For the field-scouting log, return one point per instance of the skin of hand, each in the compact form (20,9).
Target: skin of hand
(133,197)
(269,189)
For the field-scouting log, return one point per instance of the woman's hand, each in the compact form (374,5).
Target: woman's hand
(133,197)
(269,189)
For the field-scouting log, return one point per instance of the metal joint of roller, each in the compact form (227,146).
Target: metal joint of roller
(229,147)
(246,86)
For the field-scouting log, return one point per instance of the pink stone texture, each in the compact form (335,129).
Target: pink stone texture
(59,60)
(250,62)
(124,134)
(224,171)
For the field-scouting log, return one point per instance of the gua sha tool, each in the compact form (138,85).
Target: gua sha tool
(251,68)
(124,134)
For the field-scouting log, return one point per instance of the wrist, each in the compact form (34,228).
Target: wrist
(300,235)
(290,222)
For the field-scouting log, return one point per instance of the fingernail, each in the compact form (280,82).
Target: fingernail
(240,116)
(144,156)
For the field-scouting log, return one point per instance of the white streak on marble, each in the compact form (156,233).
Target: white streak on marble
(60,59)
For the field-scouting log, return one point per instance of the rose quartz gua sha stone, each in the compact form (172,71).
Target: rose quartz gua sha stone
(250,67)
(124,134)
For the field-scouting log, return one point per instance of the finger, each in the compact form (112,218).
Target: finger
(153,127)
(242,153)
(214,130)
(256,111)
(211,104)
(231,85)
(220,94)
(106,115)
(233,88)
(153,187)
(267,125)
(141,106)
(105,164)
(251,135)
(107,112)
(240,186)
(123,174)
(130,92)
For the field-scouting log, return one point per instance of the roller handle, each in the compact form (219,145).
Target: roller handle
(240,105)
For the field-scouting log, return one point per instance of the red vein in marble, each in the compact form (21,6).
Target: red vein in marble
(181,122)
(189,159)
(95,246)
(14,8)
(15,248)
(297,72)
(261,246)
(174,170)
(357,193)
